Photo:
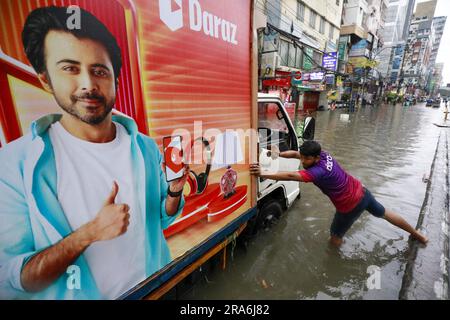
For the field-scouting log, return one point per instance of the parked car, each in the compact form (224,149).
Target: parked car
(429,102)
(341,104)
(437,103)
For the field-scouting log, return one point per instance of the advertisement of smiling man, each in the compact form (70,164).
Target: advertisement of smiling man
(90,100)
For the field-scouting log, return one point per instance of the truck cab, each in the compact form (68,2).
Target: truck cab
(275,128)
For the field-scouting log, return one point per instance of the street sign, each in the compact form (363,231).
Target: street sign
(316,75)
(358,49)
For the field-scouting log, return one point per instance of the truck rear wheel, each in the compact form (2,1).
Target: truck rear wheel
(268,214)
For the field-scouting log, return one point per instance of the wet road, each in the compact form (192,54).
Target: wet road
(390,149)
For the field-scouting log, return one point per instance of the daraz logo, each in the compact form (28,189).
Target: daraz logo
(199,20)
(172,19)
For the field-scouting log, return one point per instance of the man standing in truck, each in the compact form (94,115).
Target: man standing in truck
(347,193)
(83,198)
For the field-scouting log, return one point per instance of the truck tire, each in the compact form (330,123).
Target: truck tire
(268,215)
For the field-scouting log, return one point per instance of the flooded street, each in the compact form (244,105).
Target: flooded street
(390,149)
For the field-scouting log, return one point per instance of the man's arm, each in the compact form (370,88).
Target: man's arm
(290,154)
(48,265)
(172,203)
(282,176)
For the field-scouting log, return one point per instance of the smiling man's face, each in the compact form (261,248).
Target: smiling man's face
(80,75)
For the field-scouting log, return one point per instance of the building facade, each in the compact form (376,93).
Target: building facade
(360,40)
(298,36)
(419,46)
(315,23)
(438,26)
(394,35)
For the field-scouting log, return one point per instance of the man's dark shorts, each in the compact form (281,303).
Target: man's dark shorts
(343,221)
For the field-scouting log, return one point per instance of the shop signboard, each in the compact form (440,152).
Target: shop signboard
(316,76)
(307,61)
(358,49)
(329,61)
(342,48)
(329,79)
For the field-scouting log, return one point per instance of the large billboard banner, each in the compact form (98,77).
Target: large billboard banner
(88,94)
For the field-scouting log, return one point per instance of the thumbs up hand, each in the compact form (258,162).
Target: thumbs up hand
(112,220)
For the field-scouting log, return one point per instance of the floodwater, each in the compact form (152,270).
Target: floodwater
(390,149)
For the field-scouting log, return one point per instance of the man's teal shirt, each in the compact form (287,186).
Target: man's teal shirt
(31,218)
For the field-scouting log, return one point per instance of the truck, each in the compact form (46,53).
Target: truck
(189,68)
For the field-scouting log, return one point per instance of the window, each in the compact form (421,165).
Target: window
(337,2)
(322,25)
(265,7)
(292,52)
(301,11)
(284,52)
(331,32)
(312,19)
(273,128)
(298,59)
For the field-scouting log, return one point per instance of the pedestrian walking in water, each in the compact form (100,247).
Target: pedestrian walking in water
(350,197)
(309,126)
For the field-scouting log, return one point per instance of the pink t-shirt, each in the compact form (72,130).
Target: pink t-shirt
(344,191)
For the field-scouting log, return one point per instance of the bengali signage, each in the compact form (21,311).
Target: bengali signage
(307,61)
(313,76)
(329,61)
(342,48)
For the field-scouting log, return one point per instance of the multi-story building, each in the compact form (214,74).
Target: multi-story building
(438,28)
(376,19)
(316,24)
(300,33)
(362,21)
(419,46)
(361,25)
(352,43)
(394,35)
(318,20)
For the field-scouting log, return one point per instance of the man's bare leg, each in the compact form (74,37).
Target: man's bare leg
(398,221)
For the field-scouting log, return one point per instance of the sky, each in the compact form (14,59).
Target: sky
(443,9)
